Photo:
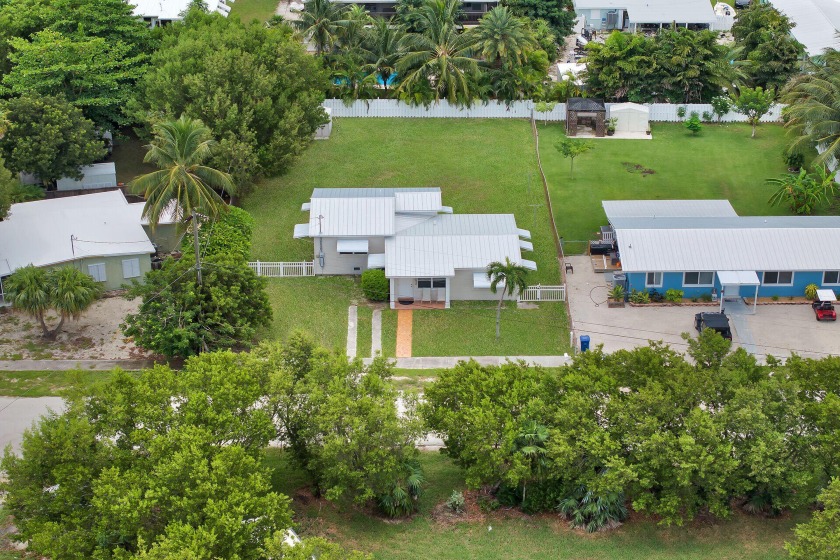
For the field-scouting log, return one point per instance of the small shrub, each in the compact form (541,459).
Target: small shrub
(811,291)
(775,298)
(488,504)
(706,298)
(794,160)
(707,116)
(26,193)
(720,106)
(617,293)
(586,510)
(674,296)
(455,502)
(375,286)
(639,297)
(681,112)
(693,124)
(656,297)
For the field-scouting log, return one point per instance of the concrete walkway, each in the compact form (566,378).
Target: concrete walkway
(376,332)
(352,327)
(437,362)
(17,415)
(66,365)
(405,322)
(739,312)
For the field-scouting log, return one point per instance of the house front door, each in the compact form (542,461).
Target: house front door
(405,287)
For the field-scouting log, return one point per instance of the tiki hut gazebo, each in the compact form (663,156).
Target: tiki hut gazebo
(591,112)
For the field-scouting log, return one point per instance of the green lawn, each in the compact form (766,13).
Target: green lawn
(722,162)
(363,331)
(389,333)
(247,10)
(469,329)
(47,383)
(517,536)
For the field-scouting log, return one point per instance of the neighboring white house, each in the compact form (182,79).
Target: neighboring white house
(96,176)
(817,22)
(101,234)
(161,12)
(633,15)
(428,253)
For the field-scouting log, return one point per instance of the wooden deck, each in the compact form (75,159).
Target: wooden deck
(603,263)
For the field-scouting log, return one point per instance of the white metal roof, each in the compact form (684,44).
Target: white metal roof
(418,201)
(656,11)
(624,107)
(667,208)
(817,22)
(738,278)
(171,9)
(101,225)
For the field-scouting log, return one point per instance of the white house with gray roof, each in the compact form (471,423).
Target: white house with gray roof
(428,253)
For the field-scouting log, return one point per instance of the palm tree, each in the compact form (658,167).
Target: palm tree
(66,290)
(183,185)
(352,26)
(512,278)
(320,22)
(382,49)
(502,37)
(530,443)
(440,56)
(813,111)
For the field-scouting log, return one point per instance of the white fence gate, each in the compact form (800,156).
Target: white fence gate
(543,293)
(283,269)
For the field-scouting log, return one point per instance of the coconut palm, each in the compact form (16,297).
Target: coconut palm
(382,49)
(321,23)
(439,57)
(511,277)
(352,26)
(813,112)
(183,186)
(67,291)
(502,37)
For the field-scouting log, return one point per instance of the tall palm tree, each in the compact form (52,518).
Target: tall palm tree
(382,49)
(813,109)
(183,185)
(440,56)
(512,277)
(502,37)
(320,22)
(352,28)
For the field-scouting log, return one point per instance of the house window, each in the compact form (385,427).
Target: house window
(653,280)
(699,278)
(131,268)
(431,282)
(778,277)
(97,271)
(831,277)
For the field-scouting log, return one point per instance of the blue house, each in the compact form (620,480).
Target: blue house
(704,247)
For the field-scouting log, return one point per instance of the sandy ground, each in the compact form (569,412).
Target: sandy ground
(96,335)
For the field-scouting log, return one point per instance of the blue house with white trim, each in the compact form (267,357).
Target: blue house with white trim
(703,245)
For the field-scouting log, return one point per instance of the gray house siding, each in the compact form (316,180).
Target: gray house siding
(344,264)
(462,288)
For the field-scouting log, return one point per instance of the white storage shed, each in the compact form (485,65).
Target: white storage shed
(631,117)
(96,176)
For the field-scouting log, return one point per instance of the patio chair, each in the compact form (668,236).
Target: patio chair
(426,295)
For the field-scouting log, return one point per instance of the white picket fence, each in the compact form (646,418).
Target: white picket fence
(392,108)
(283,269)
(543,293)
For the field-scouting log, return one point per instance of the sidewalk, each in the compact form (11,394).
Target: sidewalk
(445,362)
(67,365)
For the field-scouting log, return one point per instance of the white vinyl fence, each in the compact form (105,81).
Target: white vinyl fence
(382,108)
(283,269)
(543,293)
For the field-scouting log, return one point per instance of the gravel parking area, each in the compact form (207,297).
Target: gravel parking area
(777,330)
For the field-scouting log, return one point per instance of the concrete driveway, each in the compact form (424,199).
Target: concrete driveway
(777,330)
(17,415)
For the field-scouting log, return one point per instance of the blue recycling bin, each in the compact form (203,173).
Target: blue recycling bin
(584,342)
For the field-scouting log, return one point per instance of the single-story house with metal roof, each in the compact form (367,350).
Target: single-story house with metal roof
(633,15)
(817,23)
(701,246)
(428,253)
(161,12)
(101,234)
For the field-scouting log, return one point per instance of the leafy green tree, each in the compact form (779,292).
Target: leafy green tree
(184,186)
(94,75)
(314,547)
(819,539)
(254,87)
(813,100)
(720,106)
(693,123)
(511,277)
(763,37)
(179,318)
(8,187)
(571,148)
(690,66)
(544,107)
(619,69)
(320,23)
(754,103)
(438,62)
(65,290)
(49,138)
(502,38)
(560,15)
(230,234)
(804,191)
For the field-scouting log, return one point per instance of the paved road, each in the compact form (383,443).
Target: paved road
(18,414)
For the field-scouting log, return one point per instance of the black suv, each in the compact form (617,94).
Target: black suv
(716,321)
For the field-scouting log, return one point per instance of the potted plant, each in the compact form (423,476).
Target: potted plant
(612,122)
(648,130)
(616,296)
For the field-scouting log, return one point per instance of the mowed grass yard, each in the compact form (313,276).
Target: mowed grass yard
(722,162)
(511,535)
(247,10)
(482,166)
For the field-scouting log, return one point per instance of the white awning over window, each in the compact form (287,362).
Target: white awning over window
(526,245)
(359,246)
(377,260)
(480,280)
(305,207)
(524,233)
(301,231)
(738,278)
(530,265)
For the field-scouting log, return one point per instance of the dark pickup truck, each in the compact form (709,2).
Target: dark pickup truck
(716,321)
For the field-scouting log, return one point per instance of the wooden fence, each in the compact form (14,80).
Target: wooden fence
(283,269)
(543,293)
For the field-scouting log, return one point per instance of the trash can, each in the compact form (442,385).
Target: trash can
(584,342)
